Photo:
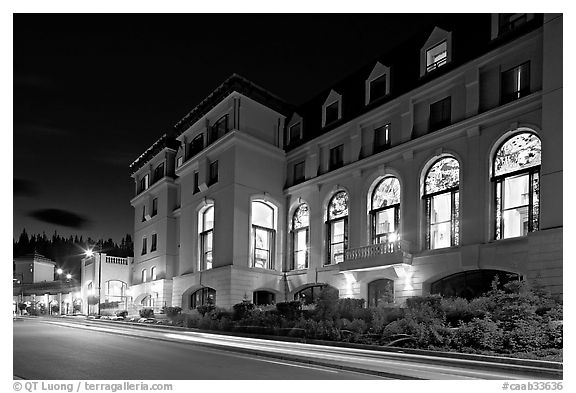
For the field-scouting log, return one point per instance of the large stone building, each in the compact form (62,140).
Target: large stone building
(430,170)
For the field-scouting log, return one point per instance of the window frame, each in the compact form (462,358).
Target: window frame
(216,131)
(153,275)
(144,275)
(213,173)
(334,164)
(431,67)
(294,234)
(207,296)
(195,178)
(159,172)
(144,246)
(204,235)
(195,146)
(291,138)
(373,213)
(154,242)
(377,147)
(371,82)
(446,102)
(371,288)
(330,223)
(297,165)
(154,207)
(524,91)
(270,233)
(333,105)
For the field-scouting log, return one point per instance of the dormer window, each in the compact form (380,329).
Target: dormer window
(509,22)
(295,133)
(332,109)
(378,83)
(436,57)
(436,52)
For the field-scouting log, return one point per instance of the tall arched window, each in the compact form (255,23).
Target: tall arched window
(263,235)
(516,170)
(206,237)
(300,237)
(337,227)
(385,213)
(203,297)
(441,194)
(380,292)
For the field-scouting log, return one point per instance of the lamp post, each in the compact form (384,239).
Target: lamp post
(90,253)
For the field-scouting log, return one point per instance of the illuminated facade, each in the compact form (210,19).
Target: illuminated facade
(430,171)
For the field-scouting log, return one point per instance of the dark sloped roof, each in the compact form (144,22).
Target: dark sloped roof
(36,257)
(471,37)
(165,141)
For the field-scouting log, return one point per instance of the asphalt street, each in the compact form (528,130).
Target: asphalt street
(47,351)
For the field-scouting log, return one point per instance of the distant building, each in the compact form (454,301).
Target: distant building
(431,170)
(36,283)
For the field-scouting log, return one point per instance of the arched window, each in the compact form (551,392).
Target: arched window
(385,213)
(263,235)
(144,275)
(310,294)
(115,290)
(263,297)
(441,194)
(471,284)
(380,292)
(202,297)
(206,237)
(147,301)
(516,171)
(153,273)
(337,227)
(300,237)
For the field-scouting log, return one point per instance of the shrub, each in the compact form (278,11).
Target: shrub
(348,308)
(55,308)
(456,310)
(205,309)
(382,316)
(289,310)
(123,313)
(241,310)
(22,306)
(483,334)
(146,313)
(172,312)
(430,303)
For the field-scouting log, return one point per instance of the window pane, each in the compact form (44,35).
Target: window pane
(336,157)
(338,206)
(387,193)
(262,215)
(443,175)
(519,152)
(385,221)
(337,233)
(299,172)
(300,249)
(301,217)
(295,133)
(535,202)
(441,208)
(380,292)
(436,56)
(440,235)
(208,218)
(516,191)
(332,112)
(515,222)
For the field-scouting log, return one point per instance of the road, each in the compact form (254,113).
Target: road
(47,351)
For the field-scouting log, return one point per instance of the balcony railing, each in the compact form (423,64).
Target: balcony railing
(436,64)
(117,260)
(373,250)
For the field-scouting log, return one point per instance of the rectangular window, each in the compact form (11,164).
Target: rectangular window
(196,188)
(213,176)
(332,112)
(294,133)
(515,83)
(440,114)
(158,173)
(154,244)
(338,239)
(336,157)
(437,56)
(143,213)
(144,183)
(206,242)
(264,239)
(378,88)
(144,246)
(218,129)
(299,172)
(179,161)
(381,138)
(301,239)
(154,206)
(196,145)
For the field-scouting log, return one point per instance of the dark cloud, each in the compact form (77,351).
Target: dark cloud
(24,188)
(60,217)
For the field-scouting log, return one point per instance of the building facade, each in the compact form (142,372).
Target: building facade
(432,170)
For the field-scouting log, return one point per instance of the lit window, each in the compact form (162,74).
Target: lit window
(515,83)
(332,112)
(263,235)
(440,114)
(144,246)
(206,237)
(154,206)
(441,194)
(381,138)
(179,161)
(153,273)
(336,157)
(337,227)
(437,56)
(385,213)
(203,297)
(517,185)
(299,175)
(300,237)
(154,244)
(144,275)
(213,175)
(380,292)
(218,129)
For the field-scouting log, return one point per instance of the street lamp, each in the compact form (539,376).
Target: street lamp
(89,254)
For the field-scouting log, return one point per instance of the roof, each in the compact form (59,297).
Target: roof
(233,83)
(471,38)
(35,257)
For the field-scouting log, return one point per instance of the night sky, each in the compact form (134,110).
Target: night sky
(93,92)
